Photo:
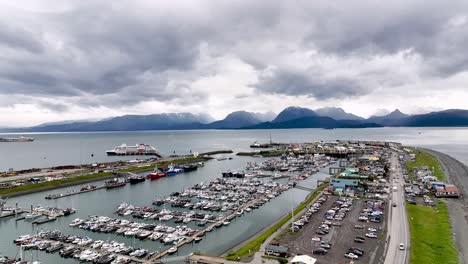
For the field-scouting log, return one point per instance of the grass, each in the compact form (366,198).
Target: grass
(28,187)
(96,176)
(431,237)
(425,159)
(254,245)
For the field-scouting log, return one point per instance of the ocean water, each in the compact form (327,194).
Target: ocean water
(52,149)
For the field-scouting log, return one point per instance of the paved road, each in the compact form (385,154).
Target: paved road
(398,228)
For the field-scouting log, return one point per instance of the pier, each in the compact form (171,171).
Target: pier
(202,232)
(95,188)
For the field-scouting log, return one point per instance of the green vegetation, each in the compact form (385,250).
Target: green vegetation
(28,187)
(254,245)
(68,180)
(431,237)
(425,159)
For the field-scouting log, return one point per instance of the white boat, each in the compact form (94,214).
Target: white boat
(172,250)
(76,222)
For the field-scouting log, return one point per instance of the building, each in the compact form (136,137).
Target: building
(343,183)
(352,173)
(433,185)
(276,250)
(448,190)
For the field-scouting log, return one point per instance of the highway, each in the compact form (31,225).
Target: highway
(398,229)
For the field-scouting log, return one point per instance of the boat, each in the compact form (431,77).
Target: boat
(76,222)
(197,239)
(156,174)
(136,179)
(140,149)
(171,170)
(259,145)
(172,250)
(44,220)
(115,183)
(190,167)
(18,139)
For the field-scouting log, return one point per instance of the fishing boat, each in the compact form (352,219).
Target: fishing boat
(115,183)
(156,174)
(136,179)
(190,167)
(171,171)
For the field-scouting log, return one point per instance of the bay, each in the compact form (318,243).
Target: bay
(52,149)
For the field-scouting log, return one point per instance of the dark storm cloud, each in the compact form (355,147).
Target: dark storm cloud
(114,53)
(297,83)
(56,107)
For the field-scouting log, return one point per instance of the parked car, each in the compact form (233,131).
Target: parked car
(356,252)
(351,256)
(325,245)
(371,235)
(320,251)
(402,246)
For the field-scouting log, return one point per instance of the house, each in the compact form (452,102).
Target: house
(303,259)
(448,190)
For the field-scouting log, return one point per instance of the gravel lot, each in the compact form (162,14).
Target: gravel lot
(341,237)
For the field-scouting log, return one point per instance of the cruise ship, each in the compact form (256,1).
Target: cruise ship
(19,139)
(140,149)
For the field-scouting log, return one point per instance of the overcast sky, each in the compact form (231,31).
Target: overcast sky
(94,59)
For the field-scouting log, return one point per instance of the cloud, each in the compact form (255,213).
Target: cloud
(223,56)
(308,83)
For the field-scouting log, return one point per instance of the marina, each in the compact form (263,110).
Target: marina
(206,231)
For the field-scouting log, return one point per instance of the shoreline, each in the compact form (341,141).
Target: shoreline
(102,176)
(457,173)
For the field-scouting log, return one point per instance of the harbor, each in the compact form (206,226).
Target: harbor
(154,190)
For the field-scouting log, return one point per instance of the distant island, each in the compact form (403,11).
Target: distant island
(290,117)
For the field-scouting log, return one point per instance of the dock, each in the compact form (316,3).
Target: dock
(202,232)
(63,195)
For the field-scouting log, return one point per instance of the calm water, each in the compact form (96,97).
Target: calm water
(73,148)
(51,149)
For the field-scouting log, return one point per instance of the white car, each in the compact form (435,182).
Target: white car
(402,246)
(316,239)
(370,229)
(351,255)
(371,235)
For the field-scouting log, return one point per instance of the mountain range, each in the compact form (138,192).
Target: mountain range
(290,117)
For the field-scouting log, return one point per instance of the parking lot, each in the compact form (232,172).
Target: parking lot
(337,237)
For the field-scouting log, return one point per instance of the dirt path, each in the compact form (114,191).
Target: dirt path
(457,173)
